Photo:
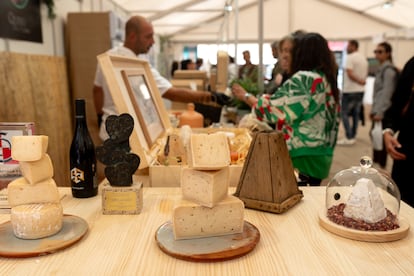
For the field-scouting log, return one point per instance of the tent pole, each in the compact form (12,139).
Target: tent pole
(236,29)
(260,32)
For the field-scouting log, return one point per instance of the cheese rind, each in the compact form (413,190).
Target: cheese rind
(191,220)
(209,151)
(35,221)
(37,171)
(206,188)
(29,148)
(20,192)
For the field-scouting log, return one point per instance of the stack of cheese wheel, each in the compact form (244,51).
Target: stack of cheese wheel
(36,211)
(206,208)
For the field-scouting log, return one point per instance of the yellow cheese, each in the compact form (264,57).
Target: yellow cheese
(35,221)
(191,220)
(209,151)
(206,188)
(36,171)
(21,192)
(29,148)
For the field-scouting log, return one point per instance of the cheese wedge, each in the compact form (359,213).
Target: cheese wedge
(20,192)
(35,221)
(191,220)
(209,151)
(206,188)
(29,148)
(37,171)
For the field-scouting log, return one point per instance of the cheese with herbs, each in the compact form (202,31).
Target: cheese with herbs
(29,148)
(21,192)
(209,151)
(37,171)
(191,220)
(35,221)
(206,188)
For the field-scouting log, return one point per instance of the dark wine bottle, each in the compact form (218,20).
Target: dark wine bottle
(83,175)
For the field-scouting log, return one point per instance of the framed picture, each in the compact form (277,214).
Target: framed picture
(134,91)
(144,106)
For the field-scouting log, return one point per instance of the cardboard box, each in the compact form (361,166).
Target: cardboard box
(9,168)
(170,175)
(150,131)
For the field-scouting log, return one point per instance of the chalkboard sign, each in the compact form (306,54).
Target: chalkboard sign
(20,20)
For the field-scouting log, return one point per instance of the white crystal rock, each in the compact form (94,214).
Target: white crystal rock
(365,202)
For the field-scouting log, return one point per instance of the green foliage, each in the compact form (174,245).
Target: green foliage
(50,8)
(250,87)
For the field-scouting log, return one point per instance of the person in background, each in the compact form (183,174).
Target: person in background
(285,61)
(356,71)
(199,64)
(285,53)
(384,87)
(203,66)
(232,71)
(285,56)
(139,38)
(188,64)
(305,108)
(174,66)
(399,118)
(277,72)
(248,70)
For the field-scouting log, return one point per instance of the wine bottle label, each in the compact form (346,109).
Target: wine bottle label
(77,175)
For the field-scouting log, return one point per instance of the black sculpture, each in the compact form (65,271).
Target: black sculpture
(115,153)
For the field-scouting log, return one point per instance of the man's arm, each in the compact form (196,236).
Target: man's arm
(186,95)
(354,78)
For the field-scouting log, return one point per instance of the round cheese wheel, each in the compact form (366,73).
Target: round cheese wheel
(35,221)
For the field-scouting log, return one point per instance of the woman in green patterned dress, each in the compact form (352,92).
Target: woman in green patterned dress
(306,108)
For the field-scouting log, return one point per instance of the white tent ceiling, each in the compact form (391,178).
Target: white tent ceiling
(206,20)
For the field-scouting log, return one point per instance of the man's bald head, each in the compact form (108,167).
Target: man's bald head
(139,34)
(134,24)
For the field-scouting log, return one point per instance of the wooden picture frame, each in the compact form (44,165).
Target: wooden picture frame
(134,91)
(143,103)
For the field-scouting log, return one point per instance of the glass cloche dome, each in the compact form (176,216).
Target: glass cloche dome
(362,198)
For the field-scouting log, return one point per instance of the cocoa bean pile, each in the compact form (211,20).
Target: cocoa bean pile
(336,215)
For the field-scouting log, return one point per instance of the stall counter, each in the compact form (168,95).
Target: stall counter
(292,243)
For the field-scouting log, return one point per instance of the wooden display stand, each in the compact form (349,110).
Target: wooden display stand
(122,200)
(268,182)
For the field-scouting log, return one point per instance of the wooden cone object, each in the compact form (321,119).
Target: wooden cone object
(267,181)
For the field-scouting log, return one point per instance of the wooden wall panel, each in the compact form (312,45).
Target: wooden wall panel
(34,88)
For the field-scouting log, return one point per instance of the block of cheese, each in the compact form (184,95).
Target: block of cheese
(36,171)
(19,192)
(208,151)
(35,221)
(29,148)
(206,188)
(191,220)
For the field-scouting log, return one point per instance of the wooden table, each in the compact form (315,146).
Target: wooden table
(292,243)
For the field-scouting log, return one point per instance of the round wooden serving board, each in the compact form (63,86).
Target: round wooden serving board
(366,236)
(211,249)
(73,229)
